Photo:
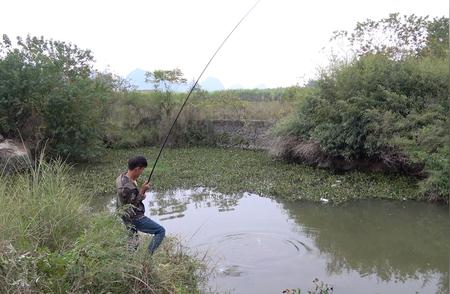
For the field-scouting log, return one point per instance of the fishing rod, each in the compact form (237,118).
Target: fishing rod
(193,87)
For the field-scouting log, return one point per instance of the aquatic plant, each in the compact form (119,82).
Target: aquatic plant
(234,171)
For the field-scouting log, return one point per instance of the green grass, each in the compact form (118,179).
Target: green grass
(41,209)
(51,242)
(235,170)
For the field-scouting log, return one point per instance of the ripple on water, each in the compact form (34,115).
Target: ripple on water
(259,245)
(251,251)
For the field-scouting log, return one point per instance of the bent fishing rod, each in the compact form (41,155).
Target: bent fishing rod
(195,85)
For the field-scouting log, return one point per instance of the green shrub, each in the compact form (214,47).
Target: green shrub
(375,106)
(50,96)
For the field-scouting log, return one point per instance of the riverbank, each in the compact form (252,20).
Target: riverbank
(51,241)
(234,170)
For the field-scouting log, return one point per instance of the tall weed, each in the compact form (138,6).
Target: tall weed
(50,242)
(42,207)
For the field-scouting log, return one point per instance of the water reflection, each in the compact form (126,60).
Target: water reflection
(173,203)
(394,241)
(263,245)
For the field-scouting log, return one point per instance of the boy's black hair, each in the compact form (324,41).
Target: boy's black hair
(137,161)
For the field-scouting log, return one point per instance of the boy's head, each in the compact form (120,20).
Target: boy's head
(137,164)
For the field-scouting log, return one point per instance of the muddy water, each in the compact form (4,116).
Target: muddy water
(260,245)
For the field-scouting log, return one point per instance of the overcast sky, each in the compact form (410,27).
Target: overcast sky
(279,44)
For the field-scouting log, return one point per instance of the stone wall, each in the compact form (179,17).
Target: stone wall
(248,134)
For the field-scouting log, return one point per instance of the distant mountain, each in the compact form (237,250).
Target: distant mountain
(137,78)
(212,84)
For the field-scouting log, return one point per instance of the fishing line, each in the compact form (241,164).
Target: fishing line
(193,87)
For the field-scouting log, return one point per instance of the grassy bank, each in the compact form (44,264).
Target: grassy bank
(50,242)
(234,171)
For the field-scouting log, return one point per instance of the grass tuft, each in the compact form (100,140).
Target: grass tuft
(51,242)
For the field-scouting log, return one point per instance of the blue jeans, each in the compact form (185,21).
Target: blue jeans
(146,225)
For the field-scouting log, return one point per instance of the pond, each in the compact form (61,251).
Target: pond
(263,245)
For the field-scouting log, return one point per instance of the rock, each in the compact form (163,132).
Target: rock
(1,138)
(14,156)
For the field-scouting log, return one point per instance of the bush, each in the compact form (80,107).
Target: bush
(377,108)
(50,96)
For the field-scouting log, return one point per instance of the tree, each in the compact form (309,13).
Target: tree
(437,39)
(49,94)
(163,81)
(399,36)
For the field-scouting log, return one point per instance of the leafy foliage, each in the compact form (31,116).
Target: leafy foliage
(163,81)
(387,102)
(50,95)
(399,36)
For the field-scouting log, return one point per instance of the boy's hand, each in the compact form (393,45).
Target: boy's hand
(144,188)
